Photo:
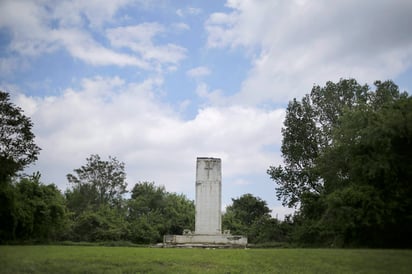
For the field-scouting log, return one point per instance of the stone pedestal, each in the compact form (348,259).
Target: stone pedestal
(196,240)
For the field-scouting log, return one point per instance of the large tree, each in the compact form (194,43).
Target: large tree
(97,183)
(247,215)
(40,210)
(35,212)
(96,200)
(346,163)
(102,224)
(17,147)
(308,130)
(17,150)
(154,212)
(367,173)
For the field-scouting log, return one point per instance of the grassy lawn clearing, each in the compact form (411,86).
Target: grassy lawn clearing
(93,259)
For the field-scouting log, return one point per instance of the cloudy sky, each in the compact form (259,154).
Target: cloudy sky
(158,83)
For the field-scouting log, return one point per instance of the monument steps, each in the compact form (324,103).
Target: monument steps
(205,245)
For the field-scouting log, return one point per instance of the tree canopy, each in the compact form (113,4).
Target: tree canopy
(154,212)
(347,152)
(98,182)
(250,216)
(17,147)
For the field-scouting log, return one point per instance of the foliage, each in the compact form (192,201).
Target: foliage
(153,212)
(347,154)
(96,259)
(36,211)
(150,213)
(17,147)
(41,210)
(368,170)
(105,224)
(307,132)
(8,210)
(249,209)
(98,183)
(99,212)
(18,150)
(250,216)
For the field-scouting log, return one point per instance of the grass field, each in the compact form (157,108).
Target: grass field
(93,259)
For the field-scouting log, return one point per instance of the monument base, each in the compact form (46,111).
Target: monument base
(201,240)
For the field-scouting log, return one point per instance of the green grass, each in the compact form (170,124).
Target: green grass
(96,259)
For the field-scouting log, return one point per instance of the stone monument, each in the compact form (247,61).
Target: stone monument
(208,217)
(208,220)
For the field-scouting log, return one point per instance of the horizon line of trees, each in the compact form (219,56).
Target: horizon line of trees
(94,209)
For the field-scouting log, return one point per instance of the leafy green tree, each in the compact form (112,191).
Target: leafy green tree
(307,132)
(346,151)
(147,197)
(145,218)
(271,230)
(246,216)
(367,173)
(104,224)
(8,211)
(96,202)
(40,211)
(300,146)
(81,198)
(179,214)
(17,150)
(97,183)
(146,229)
(154,212)
(17,147)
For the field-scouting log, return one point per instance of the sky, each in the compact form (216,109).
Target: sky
(158,83)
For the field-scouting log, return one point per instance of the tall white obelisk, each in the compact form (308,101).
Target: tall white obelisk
(208,219)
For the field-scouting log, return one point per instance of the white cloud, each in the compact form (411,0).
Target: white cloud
(293,44)
(198,72)
(80,45)
(78,13)
(111,117)
(139,38)
(28,27)
(181,26)
(188,11)
(39,28)
(214,97)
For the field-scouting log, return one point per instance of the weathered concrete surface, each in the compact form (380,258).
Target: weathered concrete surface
(208,218)
(206,239)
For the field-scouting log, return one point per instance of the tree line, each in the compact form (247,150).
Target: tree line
(94,209)
(347,168)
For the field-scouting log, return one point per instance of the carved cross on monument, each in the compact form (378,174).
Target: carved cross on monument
(208,167)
